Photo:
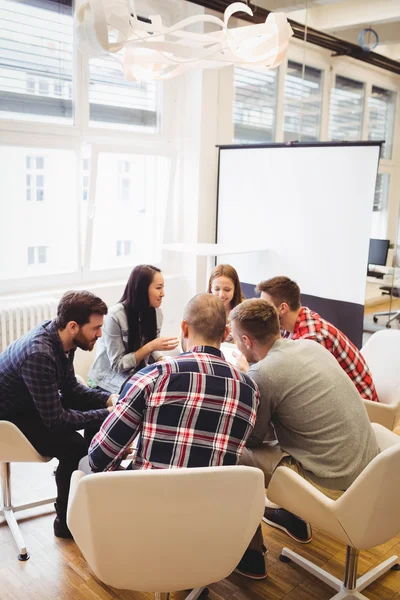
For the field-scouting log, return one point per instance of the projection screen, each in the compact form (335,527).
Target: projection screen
(311,206)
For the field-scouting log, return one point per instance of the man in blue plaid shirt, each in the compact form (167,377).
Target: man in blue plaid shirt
(40,394)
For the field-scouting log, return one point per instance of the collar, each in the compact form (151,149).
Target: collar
(205,350)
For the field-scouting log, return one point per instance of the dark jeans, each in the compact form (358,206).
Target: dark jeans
(67,446)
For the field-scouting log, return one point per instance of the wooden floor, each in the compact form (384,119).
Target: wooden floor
(57,570)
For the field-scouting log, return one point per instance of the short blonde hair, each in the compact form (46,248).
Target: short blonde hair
(256,318)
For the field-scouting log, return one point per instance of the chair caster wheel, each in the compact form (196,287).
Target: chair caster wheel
(395,567)
(388,326)
(23,557)
(284,559)
(375,319)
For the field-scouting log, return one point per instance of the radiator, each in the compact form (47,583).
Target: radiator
(17,319)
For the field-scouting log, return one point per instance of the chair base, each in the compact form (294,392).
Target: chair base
(395,314)
(8,514)
(335,583)
(194,594)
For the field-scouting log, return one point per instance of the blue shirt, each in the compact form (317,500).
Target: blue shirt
(37,375)
(195,410)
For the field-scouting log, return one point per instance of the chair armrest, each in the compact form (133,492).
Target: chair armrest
(384,414)
(75,479)
(297,495)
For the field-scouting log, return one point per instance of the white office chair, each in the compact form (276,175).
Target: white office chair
(165,530)
(382,354)
(14,447)
(366,515)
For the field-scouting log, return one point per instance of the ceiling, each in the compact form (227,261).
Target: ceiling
(346,18)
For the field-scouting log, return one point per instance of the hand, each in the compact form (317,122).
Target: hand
(110,409)
(112,400)
(241,362)
(164,343)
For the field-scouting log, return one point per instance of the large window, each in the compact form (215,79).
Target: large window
(31,220)
(382,107)
(302,103)
(36,41)
(117,102)
(254,107)
(346,109)
(380,209)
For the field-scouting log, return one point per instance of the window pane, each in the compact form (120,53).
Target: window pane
(382,106)
(143,229)
(43,224)
(254,106)
(380,209)
(115,101)
(346,109)
(302,103)
(36,56)
(31,255)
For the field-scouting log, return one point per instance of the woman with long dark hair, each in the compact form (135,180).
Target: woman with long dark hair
(131,331)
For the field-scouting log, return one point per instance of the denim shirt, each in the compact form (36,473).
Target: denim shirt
(114,364)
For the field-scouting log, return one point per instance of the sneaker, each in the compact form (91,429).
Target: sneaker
(254,564)
(298,529)
(61,529)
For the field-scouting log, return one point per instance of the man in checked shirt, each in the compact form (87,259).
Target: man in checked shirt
(40,394)
(195,410)
(300,322)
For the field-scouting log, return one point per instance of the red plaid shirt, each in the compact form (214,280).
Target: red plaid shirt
(310,325)
(195,410)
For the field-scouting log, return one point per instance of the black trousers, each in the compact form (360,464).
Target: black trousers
(67,446)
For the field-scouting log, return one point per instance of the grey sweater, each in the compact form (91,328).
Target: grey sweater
(317,413)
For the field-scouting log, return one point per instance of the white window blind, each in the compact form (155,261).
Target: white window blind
(115,101)
(382,107)
(36,47)
(302,103)
(254,106)
(346,109)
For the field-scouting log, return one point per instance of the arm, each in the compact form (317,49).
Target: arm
(120,429)
(264,413)
(39,373)
(92,398)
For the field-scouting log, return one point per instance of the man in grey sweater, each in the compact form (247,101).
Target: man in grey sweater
(321,426)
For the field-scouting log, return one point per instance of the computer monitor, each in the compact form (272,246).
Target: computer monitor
(378,252)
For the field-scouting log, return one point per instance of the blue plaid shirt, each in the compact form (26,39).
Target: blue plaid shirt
(195,410)
(37,375)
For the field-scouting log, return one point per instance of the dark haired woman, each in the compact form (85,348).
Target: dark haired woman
(131,331)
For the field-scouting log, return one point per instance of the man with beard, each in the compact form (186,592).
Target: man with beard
(40,394)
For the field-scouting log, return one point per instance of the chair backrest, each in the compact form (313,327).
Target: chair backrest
(369,510)
(165,530)
(382,353)
(14,447)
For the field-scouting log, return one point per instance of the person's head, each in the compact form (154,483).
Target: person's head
(255,328)
(283,293)
(224,283)
(143,293)
(80,318)
(204,322)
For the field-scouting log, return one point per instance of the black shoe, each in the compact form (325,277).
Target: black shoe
(254,564)
(61,529)
(298,529)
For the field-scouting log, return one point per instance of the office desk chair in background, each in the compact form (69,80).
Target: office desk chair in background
(394,314)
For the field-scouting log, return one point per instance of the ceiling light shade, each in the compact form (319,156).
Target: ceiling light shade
(152,51)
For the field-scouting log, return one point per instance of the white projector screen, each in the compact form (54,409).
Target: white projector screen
(310,205)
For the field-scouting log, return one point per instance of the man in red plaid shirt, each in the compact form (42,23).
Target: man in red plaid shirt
(301,322)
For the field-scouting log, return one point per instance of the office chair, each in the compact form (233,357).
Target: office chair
(394,314)
(382,354)
(14,447)
(165,530)
(366,515)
